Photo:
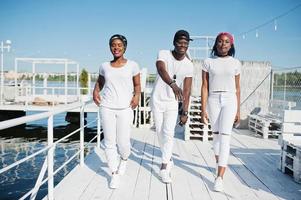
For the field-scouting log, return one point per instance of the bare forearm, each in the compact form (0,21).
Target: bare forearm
(204,98)
(99,83)
(137,85)
(237,87)
(186,103)
(238,100)
(163,73)
(186,92)
(96,87)
(204,91)
(137,89)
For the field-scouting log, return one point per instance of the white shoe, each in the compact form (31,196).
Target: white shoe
(165,176)
(122,167)
(218,184)
(115,181)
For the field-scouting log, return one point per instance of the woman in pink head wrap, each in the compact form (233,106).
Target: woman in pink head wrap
(220,96)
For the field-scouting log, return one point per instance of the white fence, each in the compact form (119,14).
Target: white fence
(26,95)
(287,85)
(48,164)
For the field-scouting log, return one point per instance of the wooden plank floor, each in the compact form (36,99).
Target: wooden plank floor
(252,172)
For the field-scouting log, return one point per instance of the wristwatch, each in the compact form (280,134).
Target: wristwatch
(172,82)
(185,113)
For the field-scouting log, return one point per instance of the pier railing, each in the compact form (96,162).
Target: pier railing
(48,164)
(28,94)
(287,85)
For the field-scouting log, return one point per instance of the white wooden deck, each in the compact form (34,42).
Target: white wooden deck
(252,172)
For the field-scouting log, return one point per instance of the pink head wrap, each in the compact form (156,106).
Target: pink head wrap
(228,35)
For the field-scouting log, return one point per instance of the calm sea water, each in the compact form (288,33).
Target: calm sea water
(293,95)
(17,143)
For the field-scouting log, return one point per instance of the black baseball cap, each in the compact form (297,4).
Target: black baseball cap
(182,34)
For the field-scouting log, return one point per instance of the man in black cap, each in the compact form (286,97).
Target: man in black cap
(173,85)
(181,34)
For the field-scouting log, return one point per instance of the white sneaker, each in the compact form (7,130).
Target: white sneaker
(115,181)
(122,167)
(165,176)
(218,184)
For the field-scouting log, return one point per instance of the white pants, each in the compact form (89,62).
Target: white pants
(116,124)
(222,108)
(221,148)
(165,122)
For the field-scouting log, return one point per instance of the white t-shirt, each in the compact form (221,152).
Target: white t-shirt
(118,88)
(162,92)
(222,72)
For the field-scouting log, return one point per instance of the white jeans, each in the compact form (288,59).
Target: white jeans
(222,108)
(221,148)
(165,122)
(116,124)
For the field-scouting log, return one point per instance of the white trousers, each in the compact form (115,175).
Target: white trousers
(221,148)
(116,124)
(222,108)
(165,122)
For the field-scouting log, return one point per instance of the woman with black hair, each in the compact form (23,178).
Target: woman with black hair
(220,95)
(119,81)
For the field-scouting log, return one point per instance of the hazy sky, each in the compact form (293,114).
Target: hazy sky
(80,30)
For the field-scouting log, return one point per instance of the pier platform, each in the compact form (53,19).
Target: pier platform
(252,173)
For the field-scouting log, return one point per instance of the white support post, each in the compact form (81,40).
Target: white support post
(82,124)
(98,128)
(53,96)
(27,90)
(66,81)
(284,87)
(3,46)
(272,86)
(2,75)
(50,158)
(89,84)
(39,180)
(16,84)
(33,78)
(77,80)
(45,76)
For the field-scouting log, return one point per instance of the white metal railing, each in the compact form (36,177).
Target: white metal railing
(52,95)
(286,85)
(142,114)
(200,47)
(49,162)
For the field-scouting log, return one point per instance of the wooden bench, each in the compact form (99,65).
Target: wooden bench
(269,124)
(291,126)
(290,159)
(290,142)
